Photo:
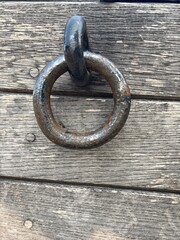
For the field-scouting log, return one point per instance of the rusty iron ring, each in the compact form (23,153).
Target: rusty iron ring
(57,132)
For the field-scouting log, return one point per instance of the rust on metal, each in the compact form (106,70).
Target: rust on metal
(57,132)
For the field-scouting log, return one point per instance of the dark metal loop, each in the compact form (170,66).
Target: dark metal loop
(75,43)
(57,132)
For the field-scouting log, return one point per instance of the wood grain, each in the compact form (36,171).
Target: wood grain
(44,211)
(142,1)
(143,40)
(144,154)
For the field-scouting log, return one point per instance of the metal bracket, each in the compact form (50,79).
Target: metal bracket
(75,44)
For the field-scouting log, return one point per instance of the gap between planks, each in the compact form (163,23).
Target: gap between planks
(105,186)
(93,94)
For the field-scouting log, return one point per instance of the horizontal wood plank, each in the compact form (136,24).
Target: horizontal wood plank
(143,40)
(44,211)
(143,1)
(144,154)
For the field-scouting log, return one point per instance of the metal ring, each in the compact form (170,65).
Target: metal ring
(55,131)
(75,43)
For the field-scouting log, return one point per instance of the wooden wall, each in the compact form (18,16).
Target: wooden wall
(128,188)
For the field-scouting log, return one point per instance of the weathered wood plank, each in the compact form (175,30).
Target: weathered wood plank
(69,1)
(142,39)
(142,1)
(144,154)
(44,211)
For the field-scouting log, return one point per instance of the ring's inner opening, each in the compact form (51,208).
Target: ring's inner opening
(81,113)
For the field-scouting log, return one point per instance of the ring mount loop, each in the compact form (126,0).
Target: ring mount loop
(75,44)
(55,131)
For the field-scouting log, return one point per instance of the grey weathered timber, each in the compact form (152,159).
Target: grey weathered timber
(144,154)
(142,39)
(68,1)
(45,211)
(142,1)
